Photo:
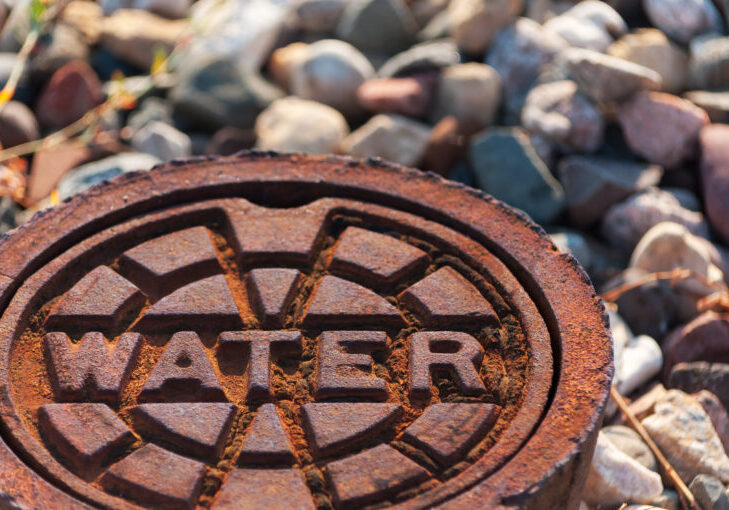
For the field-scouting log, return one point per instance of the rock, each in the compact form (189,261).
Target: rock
(392,137)
(701,375)
(89,174)
(50,165)
(298,125)
(319,15)
(630,443)
(715,176)
(469,92)
(331,73)
(214,93)
(518,54)
(718,414)
(589,24)
(445,147)
(662,128)
(558,111)
(685,435)
(377,26)
(162,141)
(438,28)
(644,405)
(683,20)
(64,44)
(72,91)
(135,36)
(229,140)
(592,184)
(668,500)
(244,31)
(706,338)
(614,477)
(425,10)
(153,108)
(474,23)
(709,63)
(709,492)
(574,243)
(423,57)
(715,104)
(172,9)
(409,96)
(8,210)
(17,124)
(507,167)
(686,198)
(284,60)
(625,223)
(85,16)
(650,48)
(642,360)
(608,79)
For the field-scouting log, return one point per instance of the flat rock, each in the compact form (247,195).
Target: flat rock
(393,137)
(630,443)
(298,125)
(474,23)
(506,166)
(682,20)
(684,433)
(706,338)
(715,176)
(642,360)
(377,26)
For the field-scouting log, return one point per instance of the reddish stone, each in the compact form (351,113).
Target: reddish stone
(410,96)
(701,375)
(72,91)
(50,165)
(706,338)
(662,128)
(446,145)
(714,141)
(718,414)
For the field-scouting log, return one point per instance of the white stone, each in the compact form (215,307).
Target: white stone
(298,125)
(684,433)
(470,92)
(162,140)
(641,360)
(474,23)
(393,137)
(615,478)
(590,24)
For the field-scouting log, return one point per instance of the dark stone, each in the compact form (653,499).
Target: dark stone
(701,375)
(706,338)
(377,26)
(709,492)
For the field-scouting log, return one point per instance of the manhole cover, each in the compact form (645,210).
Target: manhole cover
(294,332)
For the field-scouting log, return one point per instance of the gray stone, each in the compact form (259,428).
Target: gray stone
(668,500)
(173,9)
(319,15)
(625,223)
(683,20)
(427,56)
(715,104)
(518,53)
(64,45)
(393,137)
(589,24)
(506,166)
(592,184)
(558,111)
(474,23)
(8,210)
(153,108)
(573,242)
(609,79)
(90,174)
(630,443)
(709,492)
(330,73)
(684,433)
(17,124)
(298,125)
(377,26)
(709,63)
(214,93)
(162,141)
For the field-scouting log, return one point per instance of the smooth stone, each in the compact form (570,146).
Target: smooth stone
(85,16)
(50,165)
(423,57)
(65,44)
(445,147)
(162,141)
(713,140)
(706,338)
(682,20)
(518,53)
(614,477)
(651,48)
(172,9)
(608,79)
(709,492)
(410,96)
(630,443)
(558,111)
(8,210)
(151,109)
(425,10)
(709,63)
(298,125)
(214,93)
(229,140)
(592,184)
(283,61)
(319,15)
(17,124)
(392,137)
(718,414)
(474,23)
(702,375)
(574,243)
(641,361)
(668,500)
(589,24)
(136,36)
(90,174)
(377,26)
(331,73)
(661,128)
(715,104)
(507,167)
(684,433)
(469,92)
(625,223)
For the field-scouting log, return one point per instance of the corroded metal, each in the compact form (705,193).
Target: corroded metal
(294,331)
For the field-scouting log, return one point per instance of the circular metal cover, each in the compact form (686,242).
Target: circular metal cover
(294,332)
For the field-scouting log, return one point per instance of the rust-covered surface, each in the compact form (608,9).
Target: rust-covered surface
(294,332)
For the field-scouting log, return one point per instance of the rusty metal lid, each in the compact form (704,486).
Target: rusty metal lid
(294,332)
